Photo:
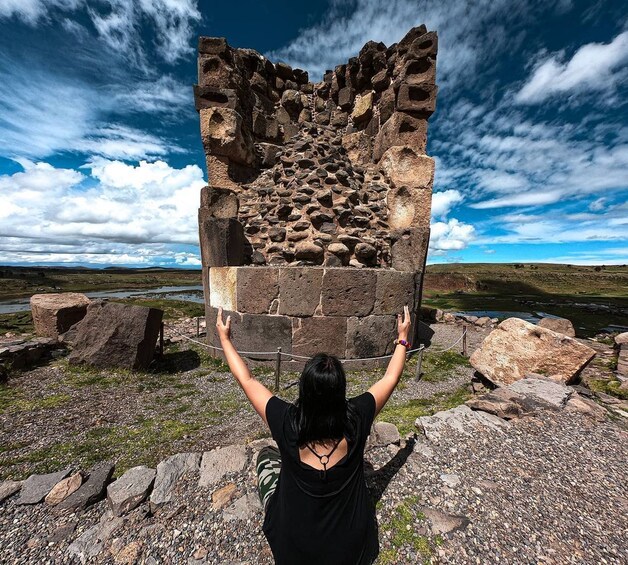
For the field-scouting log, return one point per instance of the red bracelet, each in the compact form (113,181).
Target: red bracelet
(403,342)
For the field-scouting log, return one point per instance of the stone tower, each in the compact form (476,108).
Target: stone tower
(314,227)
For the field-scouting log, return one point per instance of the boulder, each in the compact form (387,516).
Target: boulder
(130,490)
(9,488)
(63,489)
(54,314)
(36,487)
(622,338)
(460,419)
(168,474)
(116,335)
(506,403)
(383,434)
(220,462)
(559,325)
(91,491)
(517,348)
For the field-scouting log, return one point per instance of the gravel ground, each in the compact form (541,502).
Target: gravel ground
(551,490)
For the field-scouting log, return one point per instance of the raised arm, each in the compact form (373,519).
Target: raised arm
(383,388)
(255,391)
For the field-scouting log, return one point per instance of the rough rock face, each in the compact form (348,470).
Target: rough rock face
(53,314)
(116,335)
(130,490)
(330,174)
(559,325)
(517,348)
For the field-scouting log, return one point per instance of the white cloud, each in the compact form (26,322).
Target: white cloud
(525,199)
(166,95)
(444,201)
(594,67)
(598,205)
(114,213)
(119,22)
(450,235)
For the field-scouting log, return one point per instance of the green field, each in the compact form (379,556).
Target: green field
(592,297)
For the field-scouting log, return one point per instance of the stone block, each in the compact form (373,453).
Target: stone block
(214,72)
(116,335)
(224,133)
(348,292)
(395,289)
(425,45)
(257,288)
(403,166)
(209,97)
(219,202)
(358,147)
(54,314)
(517,348)
(319,334)
(370,336)
(219,172)
(223,287)
(169,473)
(262,332)
(222,240)
(418,71)
(130,490)
(409,249)
(299,290)
(409,207)
(363,108)
(399,130)
(212,45)
(419,99)
(217,464)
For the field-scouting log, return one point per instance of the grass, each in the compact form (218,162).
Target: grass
(403,525)
(608,386)
(438,366)
(13,400)
(403,415)
(173,309)
(16,322)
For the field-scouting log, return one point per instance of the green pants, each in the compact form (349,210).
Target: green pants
(268,470)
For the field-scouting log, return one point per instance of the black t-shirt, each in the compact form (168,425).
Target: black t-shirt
(310,520)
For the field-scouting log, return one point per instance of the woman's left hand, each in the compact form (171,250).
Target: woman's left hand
(223,328)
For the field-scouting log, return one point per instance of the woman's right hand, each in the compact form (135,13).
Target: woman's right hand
(403,324)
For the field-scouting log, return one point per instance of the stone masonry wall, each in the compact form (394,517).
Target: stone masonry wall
(306,179)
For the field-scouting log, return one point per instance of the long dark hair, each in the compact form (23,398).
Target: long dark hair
(322,411)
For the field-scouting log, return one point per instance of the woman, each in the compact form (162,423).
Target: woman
(313,490)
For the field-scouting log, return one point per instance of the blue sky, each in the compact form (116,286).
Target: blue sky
(100,155)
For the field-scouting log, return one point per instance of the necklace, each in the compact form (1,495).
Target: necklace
(324,459)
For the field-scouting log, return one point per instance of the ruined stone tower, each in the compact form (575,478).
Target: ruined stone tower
(314,227)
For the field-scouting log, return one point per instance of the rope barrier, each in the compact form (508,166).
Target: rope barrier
(303,357)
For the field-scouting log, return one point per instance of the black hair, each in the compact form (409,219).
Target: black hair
(322,411)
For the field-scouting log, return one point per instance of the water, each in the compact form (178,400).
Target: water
(187,293)
(502,314)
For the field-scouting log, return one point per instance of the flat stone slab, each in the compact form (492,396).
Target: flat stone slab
(461,419)
(443,523)
(92,541)
(9,488)
(63,489)
(244,508)
(517,348)
(168,474)
(130,490)
(383,434)
(36,487)
(548,391)
(220,462)
(91,491)
(507,404)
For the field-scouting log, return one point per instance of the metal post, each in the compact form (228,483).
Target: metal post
(419,362)
(464,340)
(161,339)
(278,369)
(198,327)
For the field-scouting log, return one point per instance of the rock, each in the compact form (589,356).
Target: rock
(483,321)
(559,325)
(54,314)
(130,490)
(36,487)
(64,488)
(577,403)
(299,290)
(223,496)
(222,240)
(383,434)
(92,541)
(365,253)
(450,480)
(220,202)
(243,509)
(547,390)
(129,554)
(402,166)
(348,292)
(91,491)
(442,523)
(460,419)
(220,462)
(308,251)
(505,403)
(168,474)
(363,108)
(621,339)
(224,134)
(516,348)
(9,488)
(366,336)
(116,335)
(312,335)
